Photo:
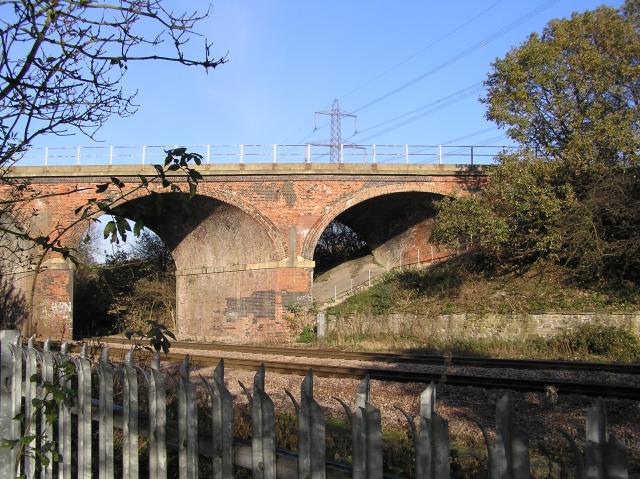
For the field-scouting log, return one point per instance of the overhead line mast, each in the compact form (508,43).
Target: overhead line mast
(336,128)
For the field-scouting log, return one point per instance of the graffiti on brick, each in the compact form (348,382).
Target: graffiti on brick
(57,309)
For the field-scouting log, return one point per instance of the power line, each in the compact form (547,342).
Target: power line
(470,135)
(463,92)
(494,36)
(422,50)
(439,106)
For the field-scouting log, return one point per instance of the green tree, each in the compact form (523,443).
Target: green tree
(572,93)
(131,287)
(571,98)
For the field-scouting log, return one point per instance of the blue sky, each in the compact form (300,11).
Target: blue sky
(289,58)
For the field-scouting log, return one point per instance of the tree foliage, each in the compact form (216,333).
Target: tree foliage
(129,289)
(572,93)
(337,244)
(63,62)
(571,193)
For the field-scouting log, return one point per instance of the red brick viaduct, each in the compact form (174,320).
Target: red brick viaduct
(245,249)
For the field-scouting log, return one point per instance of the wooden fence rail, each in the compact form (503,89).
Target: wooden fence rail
(26,373)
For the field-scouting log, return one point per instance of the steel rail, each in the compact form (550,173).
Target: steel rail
(562,387)
(404,358)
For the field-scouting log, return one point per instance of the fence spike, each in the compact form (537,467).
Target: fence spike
(311,432)
(363,392)
(47,371)
(432,441)
(366,429)
(30,371)
(604,457)
(157,421)
(64,419)
(222,422)
(258,379)
(84,418)
(509,456)
(7,375)
(130,461)
(263,437)
(105,419)
(187,424)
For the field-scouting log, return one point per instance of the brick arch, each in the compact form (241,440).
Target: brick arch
(347,202)
(271,230)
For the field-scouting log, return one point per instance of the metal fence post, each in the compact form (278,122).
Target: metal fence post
(29,394)
(144,154)
(432,442)
(8,339)
(105,416)
(84,415)
(222,422)
(263,436)
(157,422)
(77,155)
(46,155)
(46,427)
(373,157)
(509,456)
(471,155)
(187,425)
(64,420)
(275,160)
(241,153)
(604,456)
(439,154)
(311,433)
(406,154)
(367,436)
(208,154)
(341,153)
(111,155)
(130,465)
(308,153)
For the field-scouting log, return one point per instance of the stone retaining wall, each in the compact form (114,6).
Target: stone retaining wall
(496,326)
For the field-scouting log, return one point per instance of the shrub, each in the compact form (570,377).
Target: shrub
(603,340)
(307,335)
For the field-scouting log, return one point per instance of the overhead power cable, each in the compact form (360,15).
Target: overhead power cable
(469,90)
(422,50)
(485,41)
(438,106)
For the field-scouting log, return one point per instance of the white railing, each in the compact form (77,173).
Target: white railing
(266,153)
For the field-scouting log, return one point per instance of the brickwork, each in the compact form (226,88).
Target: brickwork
(248,250)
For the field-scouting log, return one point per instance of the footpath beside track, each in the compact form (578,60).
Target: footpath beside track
(402,375)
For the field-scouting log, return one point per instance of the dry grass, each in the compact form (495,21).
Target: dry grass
(463,285)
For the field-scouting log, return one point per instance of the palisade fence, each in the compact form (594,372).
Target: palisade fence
(121,404)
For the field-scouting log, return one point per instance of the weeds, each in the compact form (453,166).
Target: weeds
(463,285)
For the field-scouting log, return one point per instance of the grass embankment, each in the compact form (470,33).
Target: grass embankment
(463,285)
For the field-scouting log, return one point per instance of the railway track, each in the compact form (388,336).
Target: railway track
(396,375)
(403,358)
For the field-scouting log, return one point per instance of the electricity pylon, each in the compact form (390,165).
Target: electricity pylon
(336,128)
